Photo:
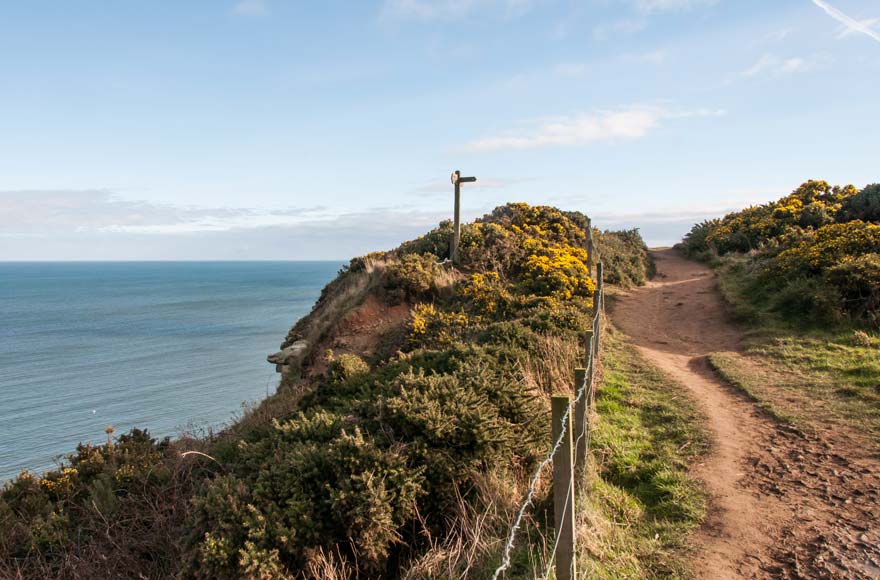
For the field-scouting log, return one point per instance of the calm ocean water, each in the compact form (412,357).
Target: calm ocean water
(164,346)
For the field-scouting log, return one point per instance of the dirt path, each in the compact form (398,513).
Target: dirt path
(783,504)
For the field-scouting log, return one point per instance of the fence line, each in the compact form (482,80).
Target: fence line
(584,386)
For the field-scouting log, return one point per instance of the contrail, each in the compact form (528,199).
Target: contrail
(850,23)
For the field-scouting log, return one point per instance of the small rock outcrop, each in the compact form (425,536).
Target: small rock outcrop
(292,355)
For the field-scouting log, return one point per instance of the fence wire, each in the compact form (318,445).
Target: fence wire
(584,389)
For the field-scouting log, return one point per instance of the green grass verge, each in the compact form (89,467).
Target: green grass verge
(809,376)
(739,372)
(641,502)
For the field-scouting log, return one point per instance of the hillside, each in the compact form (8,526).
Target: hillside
(802,275)
(412,408)
(813,256)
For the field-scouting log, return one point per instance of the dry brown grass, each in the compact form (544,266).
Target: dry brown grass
(551,370)
(478,528)
(150,519)
(325,565)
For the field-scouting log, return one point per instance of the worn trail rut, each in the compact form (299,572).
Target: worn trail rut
(782,504)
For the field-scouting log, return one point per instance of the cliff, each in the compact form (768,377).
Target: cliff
(412,399)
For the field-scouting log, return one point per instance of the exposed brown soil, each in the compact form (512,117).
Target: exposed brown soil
(368,330)
(783,504)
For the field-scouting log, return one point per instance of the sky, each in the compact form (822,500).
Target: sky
(292,129)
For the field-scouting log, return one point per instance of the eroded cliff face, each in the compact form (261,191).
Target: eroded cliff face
(363,312)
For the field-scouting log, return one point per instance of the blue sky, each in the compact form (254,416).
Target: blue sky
(286,129)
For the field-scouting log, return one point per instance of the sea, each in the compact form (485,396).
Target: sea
(170,347)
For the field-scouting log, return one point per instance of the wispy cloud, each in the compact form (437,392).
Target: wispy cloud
(570,69)
(769,64)
(450,9)
(445,186)
(251,7)
(616,28)
(584,129)
(655,6)
(779,35)
(870,23)
(96,225)
(643,11)
(76,211)
(850,23)
(658,56)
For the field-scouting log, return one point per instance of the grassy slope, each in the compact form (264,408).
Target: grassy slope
(806,375)
(641,503)
(803,276)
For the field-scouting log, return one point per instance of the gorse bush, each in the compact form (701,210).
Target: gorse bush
(625,258)
(817,251)
(365,461)
(863,206)
(413,276)
(811,254)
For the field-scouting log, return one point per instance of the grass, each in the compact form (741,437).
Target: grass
(809,376)
(641,502)
(755,381)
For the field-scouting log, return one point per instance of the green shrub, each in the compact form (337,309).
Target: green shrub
(863,206)
(858,282)
(808,300)
(826,247)
(360,461)
(345,367)
(625,258)
(436,242)
(696,241)
(815,249)
(413,276)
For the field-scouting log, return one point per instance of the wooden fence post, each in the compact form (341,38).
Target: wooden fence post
(590,251)
(563,493)
(588,347)
(597,305)
(581,424)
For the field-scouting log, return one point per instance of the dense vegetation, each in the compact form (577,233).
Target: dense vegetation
(364,465)
(812,256)
(803,273)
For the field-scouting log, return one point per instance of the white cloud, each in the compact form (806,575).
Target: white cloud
(849,22)
(780,34)
(445,186)
(769,64)
(95,225)
(251,7)
(607,30)
(451,9)
(870,23)
(585,129)
(655,6)
(658,56)
(570,69)
(29,213)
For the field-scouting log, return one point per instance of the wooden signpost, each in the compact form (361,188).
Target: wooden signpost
(457,180)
